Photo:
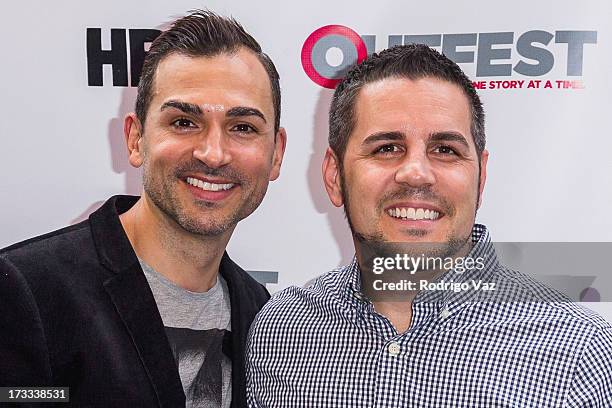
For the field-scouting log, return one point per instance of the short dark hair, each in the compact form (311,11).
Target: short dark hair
(202,34)
(412,61)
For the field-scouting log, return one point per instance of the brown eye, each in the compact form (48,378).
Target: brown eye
(244,128)
(445,150)
(388,148)
(183,123)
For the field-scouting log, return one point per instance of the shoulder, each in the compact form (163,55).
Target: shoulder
(592,379)
(548,303)
(314,303)
(324,290)
(57,269)
(39,275)
(68,246)
(38,243)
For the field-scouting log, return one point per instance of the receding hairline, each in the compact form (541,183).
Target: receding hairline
(228,52)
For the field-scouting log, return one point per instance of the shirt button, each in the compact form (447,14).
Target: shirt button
(444,313)
(394,348)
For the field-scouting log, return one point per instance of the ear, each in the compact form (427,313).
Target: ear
(132,131)
(279,151)
(331,177)
(484,158)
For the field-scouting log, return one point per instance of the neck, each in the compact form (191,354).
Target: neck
(399,313)
(189,260)
(396,305)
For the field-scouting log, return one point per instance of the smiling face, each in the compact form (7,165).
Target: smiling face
(208,146)
(410,171)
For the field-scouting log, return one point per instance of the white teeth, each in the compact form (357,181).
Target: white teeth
(204,185)
(413,213)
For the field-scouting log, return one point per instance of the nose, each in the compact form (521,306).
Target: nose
(211,148)
(415,170)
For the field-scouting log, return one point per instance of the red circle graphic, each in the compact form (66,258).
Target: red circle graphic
(313,38)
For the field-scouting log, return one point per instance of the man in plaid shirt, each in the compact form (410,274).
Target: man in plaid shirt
(407,160)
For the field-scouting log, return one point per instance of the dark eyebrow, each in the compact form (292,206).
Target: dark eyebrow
(189,108)
(378,136)
(245,111)
(449,137)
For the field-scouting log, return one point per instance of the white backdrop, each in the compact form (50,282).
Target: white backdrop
(550,170)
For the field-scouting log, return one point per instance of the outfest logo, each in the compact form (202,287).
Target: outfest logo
(517,59)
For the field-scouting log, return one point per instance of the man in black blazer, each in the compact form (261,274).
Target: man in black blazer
(139,305)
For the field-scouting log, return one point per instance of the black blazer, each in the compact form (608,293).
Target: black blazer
(76,310)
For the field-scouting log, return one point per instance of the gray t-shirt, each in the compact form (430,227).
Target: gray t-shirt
(197,326)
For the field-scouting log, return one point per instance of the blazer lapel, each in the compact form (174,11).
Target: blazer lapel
(132,297)
(130,293)
(241,320)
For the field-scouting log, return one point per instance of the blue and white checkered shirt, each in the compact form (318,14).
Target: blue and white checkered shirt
(326,346)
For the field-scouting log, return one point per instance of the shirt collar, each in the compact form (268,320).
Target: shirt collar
(482,248)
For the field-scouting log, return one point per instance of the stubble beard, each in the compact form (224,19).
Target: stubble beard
(375,241)
(164,196)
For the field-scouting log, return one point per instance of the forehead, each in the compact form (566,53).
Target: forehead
(401,104)
(227,78)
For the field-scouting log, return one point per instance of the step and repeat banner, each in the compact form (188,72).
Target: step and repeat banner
(70,69)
